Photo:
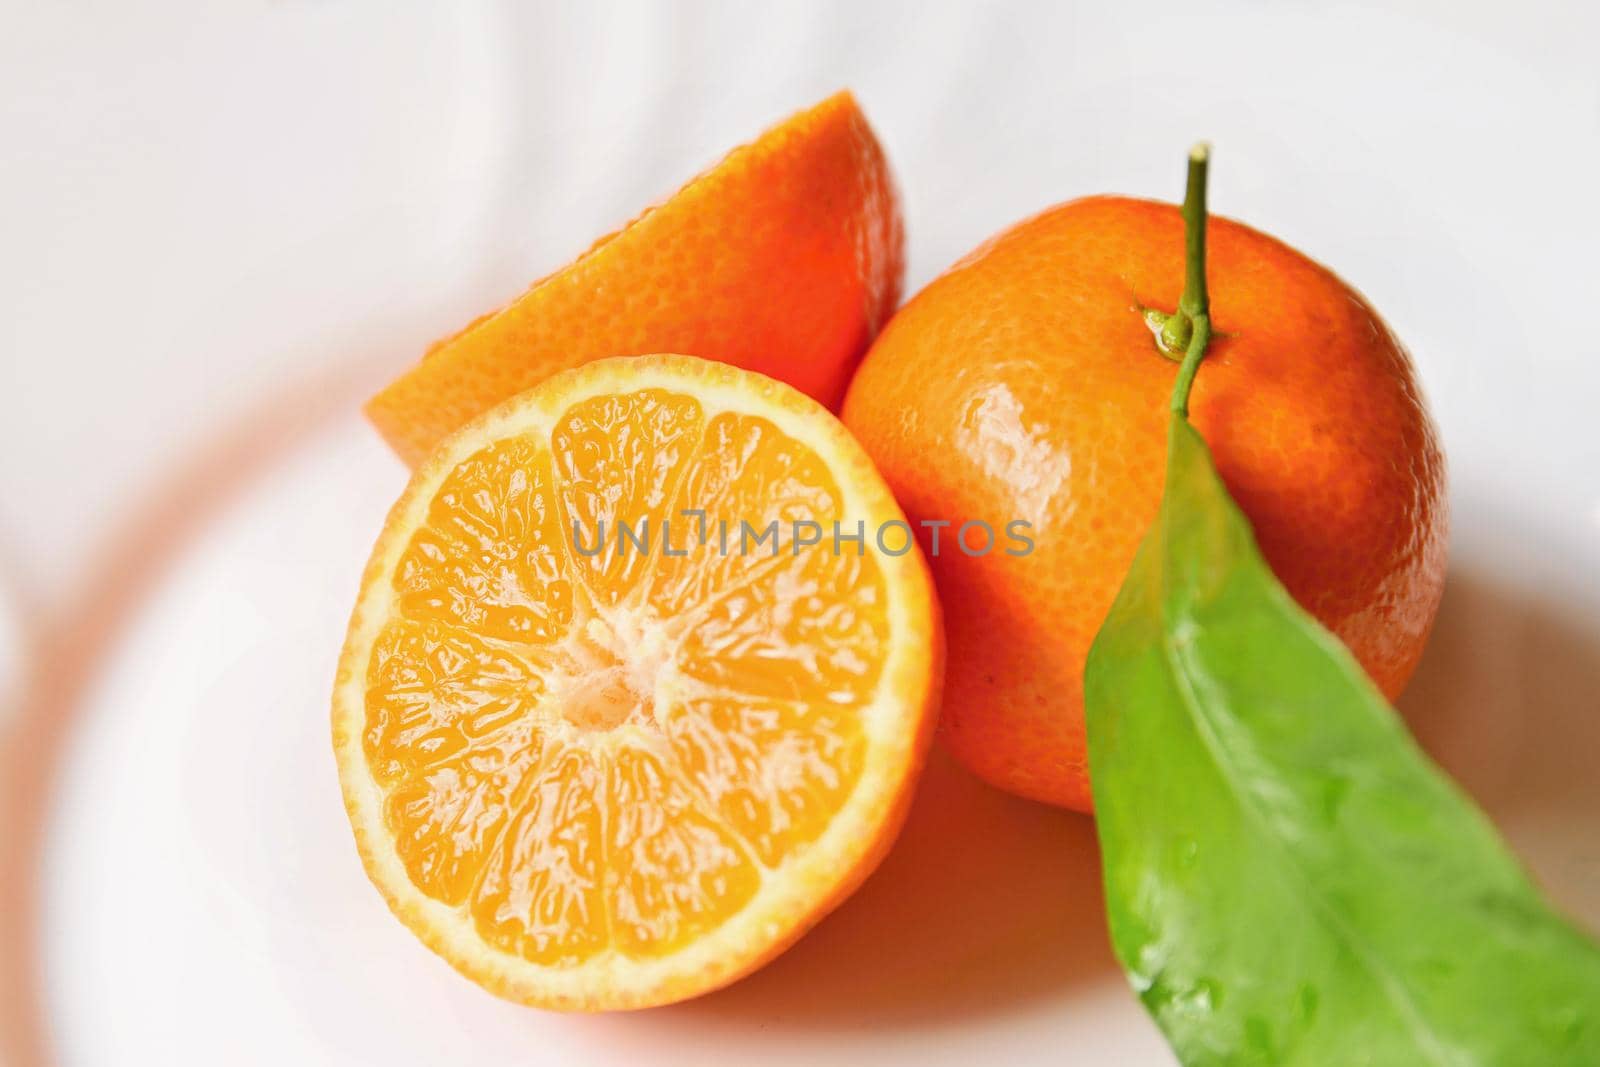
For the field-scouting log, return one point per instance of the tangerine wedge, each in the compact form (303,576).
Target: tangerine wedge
(786,258)
(594,770)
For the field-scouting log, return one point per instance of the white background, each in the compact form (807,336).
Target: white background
(222,225)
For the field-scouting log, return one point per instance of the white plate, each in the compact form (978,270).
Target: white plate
(232,223)
(201,881)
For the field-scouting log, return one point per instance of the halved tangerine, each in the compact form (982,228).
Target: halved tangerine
(786,257)
(615,723)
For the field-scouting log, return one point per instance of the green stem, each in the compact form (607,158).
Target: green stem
(1189,328)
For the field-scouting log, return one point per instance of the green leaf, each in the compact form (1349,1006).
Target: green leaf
(1289,879)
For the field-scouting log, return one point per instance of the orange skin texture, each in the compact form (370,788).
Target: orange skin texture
(785,258)
(1024,383)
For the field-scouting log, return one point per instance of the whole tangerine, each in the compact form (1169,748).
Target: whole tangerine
(1026,384)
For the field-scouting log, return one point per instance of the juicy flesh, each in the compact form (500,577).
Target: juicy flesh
(612,752)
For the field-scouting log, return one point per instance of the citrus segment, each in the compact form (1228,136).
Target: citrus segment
(620,457)
(447,818)
(676,870)
(775,772)
(434,692)
(540,898)
(604,771)
(771,616)
(798,631)
(748,486)
(489,557)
